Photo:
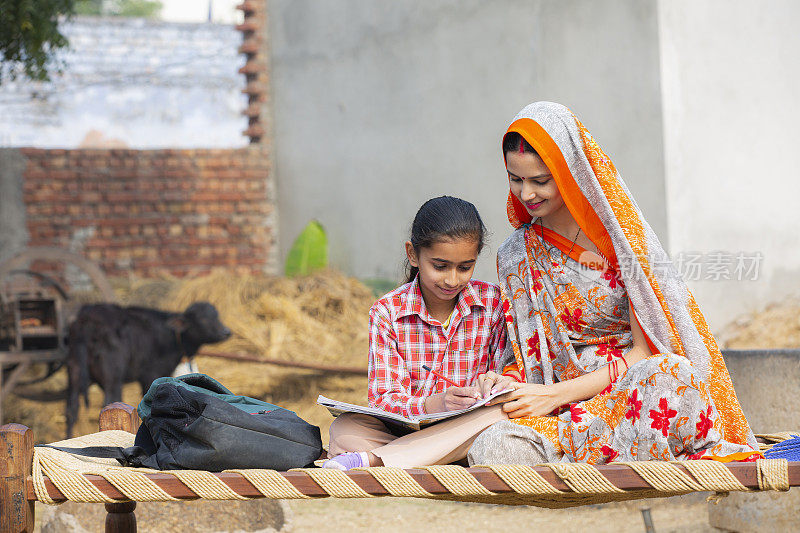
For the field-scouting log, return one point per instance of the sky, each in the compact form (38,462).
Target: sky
(222,11)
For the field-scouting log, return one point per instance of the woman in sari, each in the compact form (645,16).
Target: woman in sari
(613,357)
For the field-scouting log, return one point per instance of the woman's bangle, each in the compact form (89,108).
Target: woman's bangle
(613,370)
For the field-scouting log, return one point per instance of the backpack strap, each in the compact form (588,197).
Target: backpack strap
(132,456)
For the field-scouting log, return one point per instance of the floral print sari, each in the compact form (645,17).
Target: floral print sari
(567,316)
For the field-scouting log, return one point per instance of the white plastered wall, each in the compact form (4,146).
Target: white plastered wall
(379,106)
(731,109)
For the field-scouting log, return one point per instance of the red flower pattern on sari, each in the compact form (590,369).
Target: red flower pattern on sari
(576,413)
(609,452)
(533,347)
(613,278)
(507,312)
(704,424)
(662,417)
(536,280)
(635,406)
(609,349)
(573,319)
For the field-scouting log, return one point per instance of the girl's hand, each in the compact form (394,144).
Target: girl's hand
(492,381)
(456,398)
(529,399)
(452,399)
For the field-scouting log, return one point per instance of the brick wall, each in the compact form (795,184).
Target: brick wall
(151,212)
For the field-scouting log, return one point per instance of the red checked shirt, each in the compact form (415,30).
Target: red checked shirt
(403,337)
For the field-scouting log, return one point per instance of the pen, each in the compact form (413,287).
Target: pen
(440,376)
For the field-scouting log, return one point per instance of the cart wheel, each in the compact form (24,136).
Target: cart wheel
(58,255)
(18,265)
(43,278)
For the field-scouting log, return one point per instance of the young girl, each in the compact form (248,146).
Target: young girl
(444,320)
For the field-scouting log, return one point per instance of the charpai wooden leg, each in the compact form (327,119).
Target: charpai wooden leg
(119,415)
(120,517)
(16,459)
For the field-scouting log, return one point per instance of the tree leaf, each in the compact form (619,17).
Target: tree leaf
(309,251)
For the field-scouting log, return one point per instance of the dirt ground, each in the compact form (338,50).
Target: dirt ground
(324,319)
(683,514)
(389,515)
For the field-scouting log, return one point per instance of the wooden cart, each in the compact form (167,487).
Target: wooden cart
(34,315)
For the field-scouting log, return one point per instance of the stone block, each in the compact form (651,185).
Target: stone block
(256,516)
(762,512)
(765,386)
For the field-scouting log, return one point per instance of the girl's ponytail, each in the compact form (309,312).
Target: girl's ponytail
(411,272)
(442,218)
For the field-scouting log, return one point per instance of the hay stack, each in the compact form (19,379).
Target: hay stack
(322,318)
(778,326)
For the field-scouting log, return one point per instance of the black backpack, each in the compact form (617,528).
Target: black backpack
(193,422)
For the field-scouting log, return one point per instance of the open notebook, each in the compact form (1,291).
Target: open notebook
(336,408)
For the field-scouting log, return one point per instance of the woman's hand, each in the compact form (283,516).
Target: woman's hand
(491,382)
(529,399)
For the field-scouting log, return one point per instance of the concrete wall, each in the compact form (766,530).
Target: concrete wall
(133,83)
(13,230)
(379,106)
(731,109)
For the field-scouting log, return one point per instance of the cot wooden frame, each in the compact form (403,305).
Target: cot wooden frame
(17,495)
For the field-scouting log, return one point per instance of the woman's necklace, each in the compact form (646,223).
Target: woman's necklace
(572,246)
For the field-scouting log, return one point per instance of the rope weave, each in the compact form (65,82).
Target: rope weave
(458,481)
(61,468)
(665,477)
(774,438)
(523,479)
(67,472)
(779,436)
(207,485)
(271,484)
(584,478)
(397,482)
(137,486)
(75,488)
(773,474)
(713,475)
(335,482)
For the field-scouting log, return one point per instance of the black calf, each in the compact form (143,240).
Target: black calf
(111,345)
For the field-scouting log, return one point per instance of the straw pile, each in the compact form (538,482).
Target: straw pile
(322,318)
(778,326)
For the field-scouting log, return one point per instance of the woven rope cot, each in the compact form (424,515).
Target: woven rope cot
(52,476)
(59,476)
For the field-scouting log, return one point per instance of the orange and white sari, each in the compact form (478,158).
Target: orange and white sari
(567,318)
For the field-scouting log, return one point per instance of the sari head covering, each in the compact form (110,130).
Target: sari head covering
(601,204)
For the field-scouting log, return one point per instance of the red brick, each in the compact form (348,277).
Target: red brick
(137,200)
